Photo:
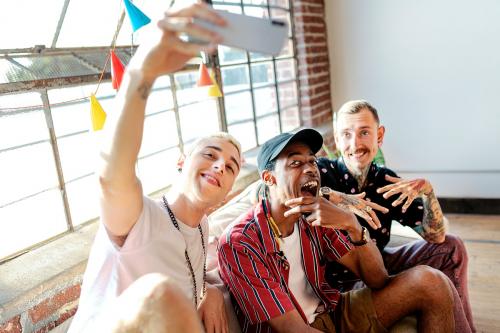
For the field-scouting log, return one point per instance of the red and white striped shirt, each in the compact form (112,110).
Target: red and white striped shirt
(256,271)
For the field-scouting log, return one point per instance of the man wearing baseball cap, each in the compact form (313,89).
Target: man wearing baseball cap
(273,258)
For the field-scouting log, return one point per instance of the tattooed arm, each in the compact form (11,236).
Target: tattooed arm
(355,204)
(434,224)
(162,53)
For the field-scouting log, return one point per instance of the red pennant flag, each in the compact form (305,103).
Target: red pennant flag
(203,77)
(117,70)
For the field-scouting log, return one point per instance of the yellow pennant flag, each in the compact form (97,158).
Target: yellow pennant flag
(214,90)
(97,114)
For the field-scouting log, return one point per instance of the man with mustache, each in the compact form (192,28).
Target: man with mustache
(273,258)
(413,203)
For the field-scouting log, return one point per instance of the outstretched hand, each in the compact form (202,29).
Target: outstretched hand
(408,189)
(359,206)
(164,52)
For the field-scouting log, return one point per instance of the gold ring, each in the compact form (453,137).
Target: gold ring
(368,209)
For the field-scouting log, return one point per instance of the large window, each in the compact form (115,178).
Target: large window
(260,92)
(48,154)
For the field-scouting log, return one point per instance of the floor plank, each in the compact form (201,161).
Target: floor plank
(481,235)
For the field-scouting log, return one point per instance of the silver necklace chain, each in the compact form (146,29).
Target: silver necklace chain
(188,260)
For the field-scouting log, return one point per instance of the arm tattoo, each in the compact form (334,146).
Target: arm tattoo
(433,224)
(144,90)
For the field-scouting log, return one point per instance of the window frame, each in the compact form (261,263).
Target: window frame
(213,62)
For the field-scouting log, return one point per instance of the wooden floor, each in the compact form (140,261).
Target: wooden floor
(481,234)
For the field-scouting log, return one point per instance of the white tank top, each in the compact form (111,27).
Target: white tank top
(297,281)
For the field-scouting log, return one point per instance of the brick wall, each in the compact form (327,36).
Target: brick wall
(52,311)
(313,64)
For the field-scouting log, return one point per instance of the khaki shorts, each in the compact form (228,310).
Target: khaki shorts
(354,313)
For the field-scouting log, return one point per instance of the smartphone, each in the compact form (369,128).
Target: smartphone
(267,36)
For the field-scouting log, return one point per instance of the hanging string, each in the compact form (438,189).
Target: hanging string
(101,76)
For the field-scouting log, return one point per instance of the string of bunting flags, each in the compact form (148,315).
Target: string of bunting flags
(138,19)
(97,114)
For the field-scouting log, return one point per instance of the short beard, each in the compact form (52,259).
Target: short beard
(359,174)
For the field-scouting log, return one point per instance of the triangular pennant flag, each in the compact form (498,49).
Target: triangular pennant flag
(137,18)
(214,90)
(97,114)
(203,77)
(117,69)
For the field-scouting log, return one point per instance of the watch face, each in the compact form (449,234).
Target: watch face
(324,190)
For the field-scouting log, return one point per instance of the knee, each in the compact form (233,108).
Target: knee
(430,284)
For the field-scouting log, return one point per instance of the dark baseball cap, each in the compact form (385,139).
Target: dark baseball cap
(273,147)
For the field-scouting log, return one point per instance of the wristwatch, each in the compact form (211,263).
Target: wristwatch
(364,238)
(325,192)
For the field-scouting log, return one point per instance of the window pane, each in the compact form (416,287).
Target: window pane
(238,107)
(78,155)
(187,92)
(198,120)
(290,119)
(228,55)
(78,31)
(255,2)
(235,78)
(254,56)
(285,69)
(20,100)
(160,132)
(158,171)
(267,128)
(230,8)
(83,198)
(288,94)
(262,74)
(265,100)
(26,23)
(245,133)
(71,117)
(279,3)
(22,128)
(26,171)
(160,97)
(260,12)
(29,221)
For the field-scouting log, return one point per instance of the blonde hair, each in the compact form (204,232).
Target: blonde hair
(355,107)
(218,135)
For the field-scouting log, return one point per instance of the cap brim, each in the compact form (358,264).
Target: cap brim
(308,136)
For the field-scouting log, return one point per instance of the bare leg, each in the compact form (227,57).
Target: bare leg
(450,257)
(421,290)
(153,303)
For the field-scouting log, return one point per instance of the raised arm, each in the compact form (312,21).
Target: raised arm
(434,224)
(121,192)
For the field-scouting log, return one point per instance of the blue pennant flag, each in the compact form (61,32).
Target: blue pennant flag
(137,18)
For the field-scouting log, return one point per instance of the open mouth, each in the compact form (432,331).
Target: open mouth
(309,189)
(210,179)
